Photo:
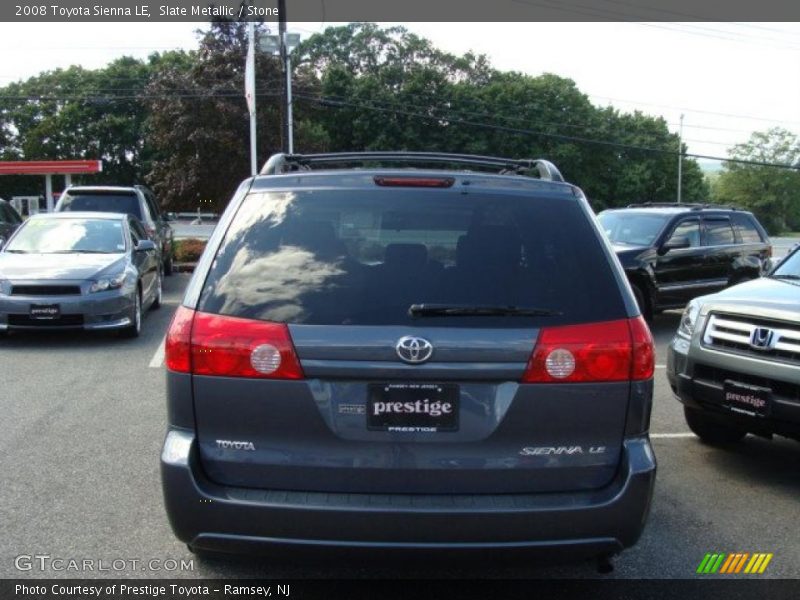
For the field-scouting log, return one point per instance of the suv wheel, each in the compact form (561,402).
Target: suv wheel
(711,430)
(168,268)
(135,328)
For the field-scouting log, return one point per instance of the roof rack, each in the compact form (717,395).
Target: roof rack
(287,163)
(691,205)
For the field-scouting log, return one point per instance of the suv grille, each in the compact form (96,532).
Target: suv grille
(754,337)
(45,290)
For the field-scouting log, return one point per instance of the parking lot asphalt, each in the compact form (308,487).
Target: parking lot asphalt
(83,420)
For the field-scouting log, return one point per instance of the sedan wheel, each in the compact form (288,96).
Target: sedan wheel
(135,328)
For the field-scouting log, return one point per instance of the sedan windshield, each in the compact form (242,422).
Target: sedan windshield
(632,229)
(60,236)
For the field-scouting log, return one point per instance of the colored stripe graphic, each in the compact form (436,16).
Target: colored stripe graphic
(741,562)
(722,563)
(703,563)
(727,567)
(766,562)
(754,563)
(718,563)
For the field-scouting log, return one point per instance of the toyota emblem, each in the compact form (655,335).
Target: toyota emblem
(414,350)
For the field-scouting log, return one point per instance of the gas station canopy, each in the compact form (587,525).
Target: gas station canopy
(48,168)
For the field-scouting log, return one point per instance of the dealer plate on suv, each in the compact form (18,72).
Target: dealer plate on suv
(749,399)
(412,407)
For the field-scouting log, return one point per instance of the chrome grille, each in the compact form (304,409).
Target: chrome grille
(755,337)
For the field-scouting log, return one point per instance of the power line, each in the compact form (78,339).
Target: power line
(329,103)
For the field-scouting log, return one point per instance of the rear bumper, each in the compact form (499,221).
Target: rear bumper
(212,517)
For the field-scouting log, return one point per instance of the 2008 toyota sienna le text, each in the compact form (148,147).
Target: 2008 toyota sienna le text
(439,357)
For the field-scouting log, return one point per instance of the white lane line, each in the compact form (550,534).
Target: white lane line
(672,436)
(661,366)
(158,357)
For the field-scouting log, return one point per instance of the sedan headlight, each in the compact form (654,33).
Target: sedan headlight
(110,283)
(688,319)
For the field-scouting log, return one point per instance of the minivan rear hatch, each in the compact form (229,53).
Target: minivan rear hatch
(380,339)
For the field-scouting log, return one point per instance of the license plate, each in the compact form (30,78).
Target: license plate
(45,311)
(747,399)
(412,407)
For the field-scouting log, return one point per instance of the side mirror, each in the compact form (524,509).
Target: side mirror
(145,245)
(676,243)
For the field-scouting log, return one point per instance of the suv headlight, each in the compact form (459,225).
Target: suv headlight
(688,319)
(109,283)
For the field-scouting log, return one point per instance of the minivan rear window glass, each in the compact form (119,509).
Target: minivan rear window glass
(103,202)
(363,258)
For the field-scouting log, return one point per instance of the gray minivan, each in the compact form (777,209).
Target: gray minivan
(446,357)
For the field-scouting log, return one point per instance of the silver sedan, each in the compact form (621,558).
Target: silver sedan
(78,271)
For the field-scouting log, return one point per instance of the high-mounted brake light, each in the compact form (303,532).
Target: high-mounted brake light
(609,351)
(207,344)
(430,182)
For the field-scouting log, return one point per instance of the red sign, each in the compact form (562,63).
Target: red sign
(50,167)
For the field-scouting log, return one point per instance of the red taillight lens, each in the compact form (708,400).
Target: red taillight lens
(234,347)
(177,351)
(644,356)
(610,351)
(434,182)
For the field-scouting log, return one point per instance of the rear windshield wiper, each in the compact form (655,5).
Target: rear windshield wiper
(17,251)
(467,310)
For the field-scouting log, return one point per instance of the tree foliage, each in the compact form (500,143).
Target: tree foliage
(773,194)
(179,120)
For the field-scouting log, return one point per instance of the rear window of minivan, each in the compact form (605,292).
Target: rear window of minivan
(357,257)
(102,202)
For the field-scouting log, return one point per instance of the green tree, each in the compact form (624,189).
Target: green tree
(198,125)
(773,194)
(78,113)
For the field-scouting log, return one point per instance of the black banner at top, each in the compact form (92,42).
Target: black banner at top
(399,10)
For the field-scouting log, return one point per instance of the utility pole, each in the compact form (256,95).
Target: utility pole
(680,159)
(287,144)
(250,92)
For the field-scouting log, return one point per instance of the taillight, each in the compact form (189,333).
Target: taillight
(206,344)
(234,347)
(609,351)
(177,353)
(644,356)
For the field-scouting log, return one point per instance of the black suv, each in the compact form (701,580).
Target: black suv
(137,200)
(408,358)
(9,221)
(672,253)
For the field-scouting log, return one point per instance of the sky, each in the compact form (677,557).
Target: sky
(727,79)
